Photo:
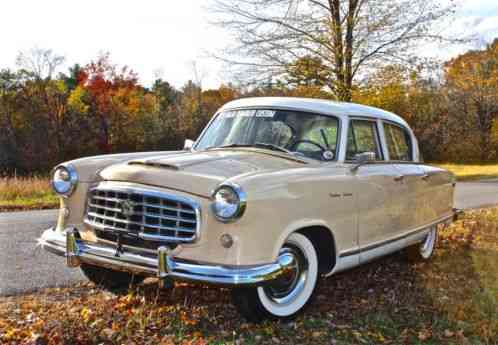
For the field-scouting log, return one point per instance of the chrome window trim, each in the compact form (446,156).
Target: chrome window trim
(128,187)
(378,138)
(407,133)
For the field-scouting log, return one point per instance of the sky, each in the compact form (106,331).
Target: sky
(160,38)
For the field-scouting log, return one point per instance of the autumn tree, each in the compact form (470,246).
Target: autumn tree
(213,99)
(10,85)
(307,71)
(472,86)
(418,97)
(108,86)
(191,109)
(348,37)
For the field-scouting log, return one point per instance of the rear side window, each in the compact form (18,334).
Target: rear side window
(363,137)
(398,143)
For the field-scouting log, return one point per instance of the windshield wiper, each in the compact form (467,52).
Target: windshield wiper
(260,145)
(273,147)
(228,146)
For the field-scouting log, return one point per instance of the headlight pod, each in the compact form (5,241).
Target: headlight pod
(229,202)
(64,180)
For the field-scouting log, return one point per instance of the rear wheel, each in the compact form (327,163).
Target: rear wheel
(423,251)
(109,279)
(285,297)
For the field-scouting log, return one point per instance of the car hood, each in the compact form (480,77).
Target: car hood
(197,173)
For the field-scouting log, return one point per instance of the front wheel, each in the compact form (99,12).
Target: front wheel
(285,297)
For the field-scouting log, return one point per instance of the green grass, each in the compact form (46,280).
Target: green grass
(25,193)
(451,300)
(471,172)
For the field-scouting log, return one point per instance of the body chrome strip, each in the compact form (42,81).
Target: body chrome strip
(396,238)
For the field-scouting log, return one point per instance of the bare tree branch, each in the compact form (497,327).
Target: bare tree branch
(347,35)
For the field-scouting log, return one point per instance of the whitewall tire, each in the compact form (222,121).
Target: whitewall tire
(285,297)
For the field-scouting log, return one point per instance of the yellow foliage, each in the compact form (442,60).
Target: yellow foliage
(76,100)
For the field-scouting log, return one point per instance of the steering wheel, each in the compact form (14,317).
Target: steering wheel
(306,141)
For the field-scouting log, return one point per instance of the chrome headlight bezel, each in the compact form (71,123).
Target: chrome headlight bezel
(238,193)
(70,182)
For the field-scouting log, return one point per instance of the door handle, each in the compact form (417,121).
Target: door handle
(399,178)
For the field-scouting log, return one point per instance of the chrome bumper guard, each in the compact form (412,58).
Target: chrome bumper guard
(165,266)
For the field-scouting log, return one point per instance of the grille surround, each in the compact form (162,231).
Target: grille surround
(155,216)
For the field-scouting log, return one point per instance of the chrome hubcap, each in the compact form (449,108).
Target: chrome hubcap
(291,282)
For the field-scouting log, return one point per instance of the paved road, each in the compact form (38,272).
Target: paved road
(476,194)
(25,267)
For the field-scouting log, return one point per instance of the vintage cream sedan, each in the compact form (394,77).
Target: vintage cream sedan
(274,193)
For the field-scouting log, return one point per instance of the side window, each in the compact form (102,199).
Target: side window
(398,143)
(363,137)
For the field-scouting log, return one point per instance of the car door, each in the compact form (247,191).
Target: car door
(412,179)
(437,193)
(376,190)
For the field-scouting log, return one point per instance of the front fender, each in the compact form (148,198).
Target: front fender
(299,225)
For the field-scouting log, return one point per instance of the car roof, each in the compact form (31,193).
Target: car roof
(322,106)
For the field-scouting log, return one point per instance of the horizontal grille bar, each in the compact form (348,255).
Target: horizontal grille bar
(146,205)
(148,214)
(140,213)
(92,214)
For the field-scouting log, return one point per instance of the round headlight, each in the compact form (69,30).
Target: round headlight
(64,180)
(229,203)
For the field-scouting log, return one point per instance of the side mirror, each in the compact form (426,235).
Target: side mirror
(362,159)
(187,146)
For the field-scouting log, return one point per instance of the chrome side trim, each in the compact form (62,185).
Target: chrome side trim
(406,235)
(164,265)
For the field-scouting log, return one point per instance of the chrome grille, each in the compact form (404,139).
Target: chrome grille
(141,213)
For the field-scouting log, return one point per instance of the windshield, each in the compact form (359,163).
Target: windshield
(298,133)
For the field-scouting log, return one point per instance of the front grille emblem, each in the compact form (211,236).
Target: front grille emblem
(127,208)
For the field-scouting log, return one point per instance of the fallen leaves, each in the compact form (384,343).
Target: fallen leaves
(390,301)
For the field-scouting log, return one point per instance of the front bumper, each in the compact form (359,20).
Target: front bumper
(164,266)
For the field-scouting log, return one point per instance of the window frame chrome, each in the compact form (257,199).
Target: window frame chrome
(408,134)
(379,138)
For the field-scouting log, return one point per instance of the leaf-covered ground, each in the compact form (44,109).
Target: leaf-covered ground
(452,300)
